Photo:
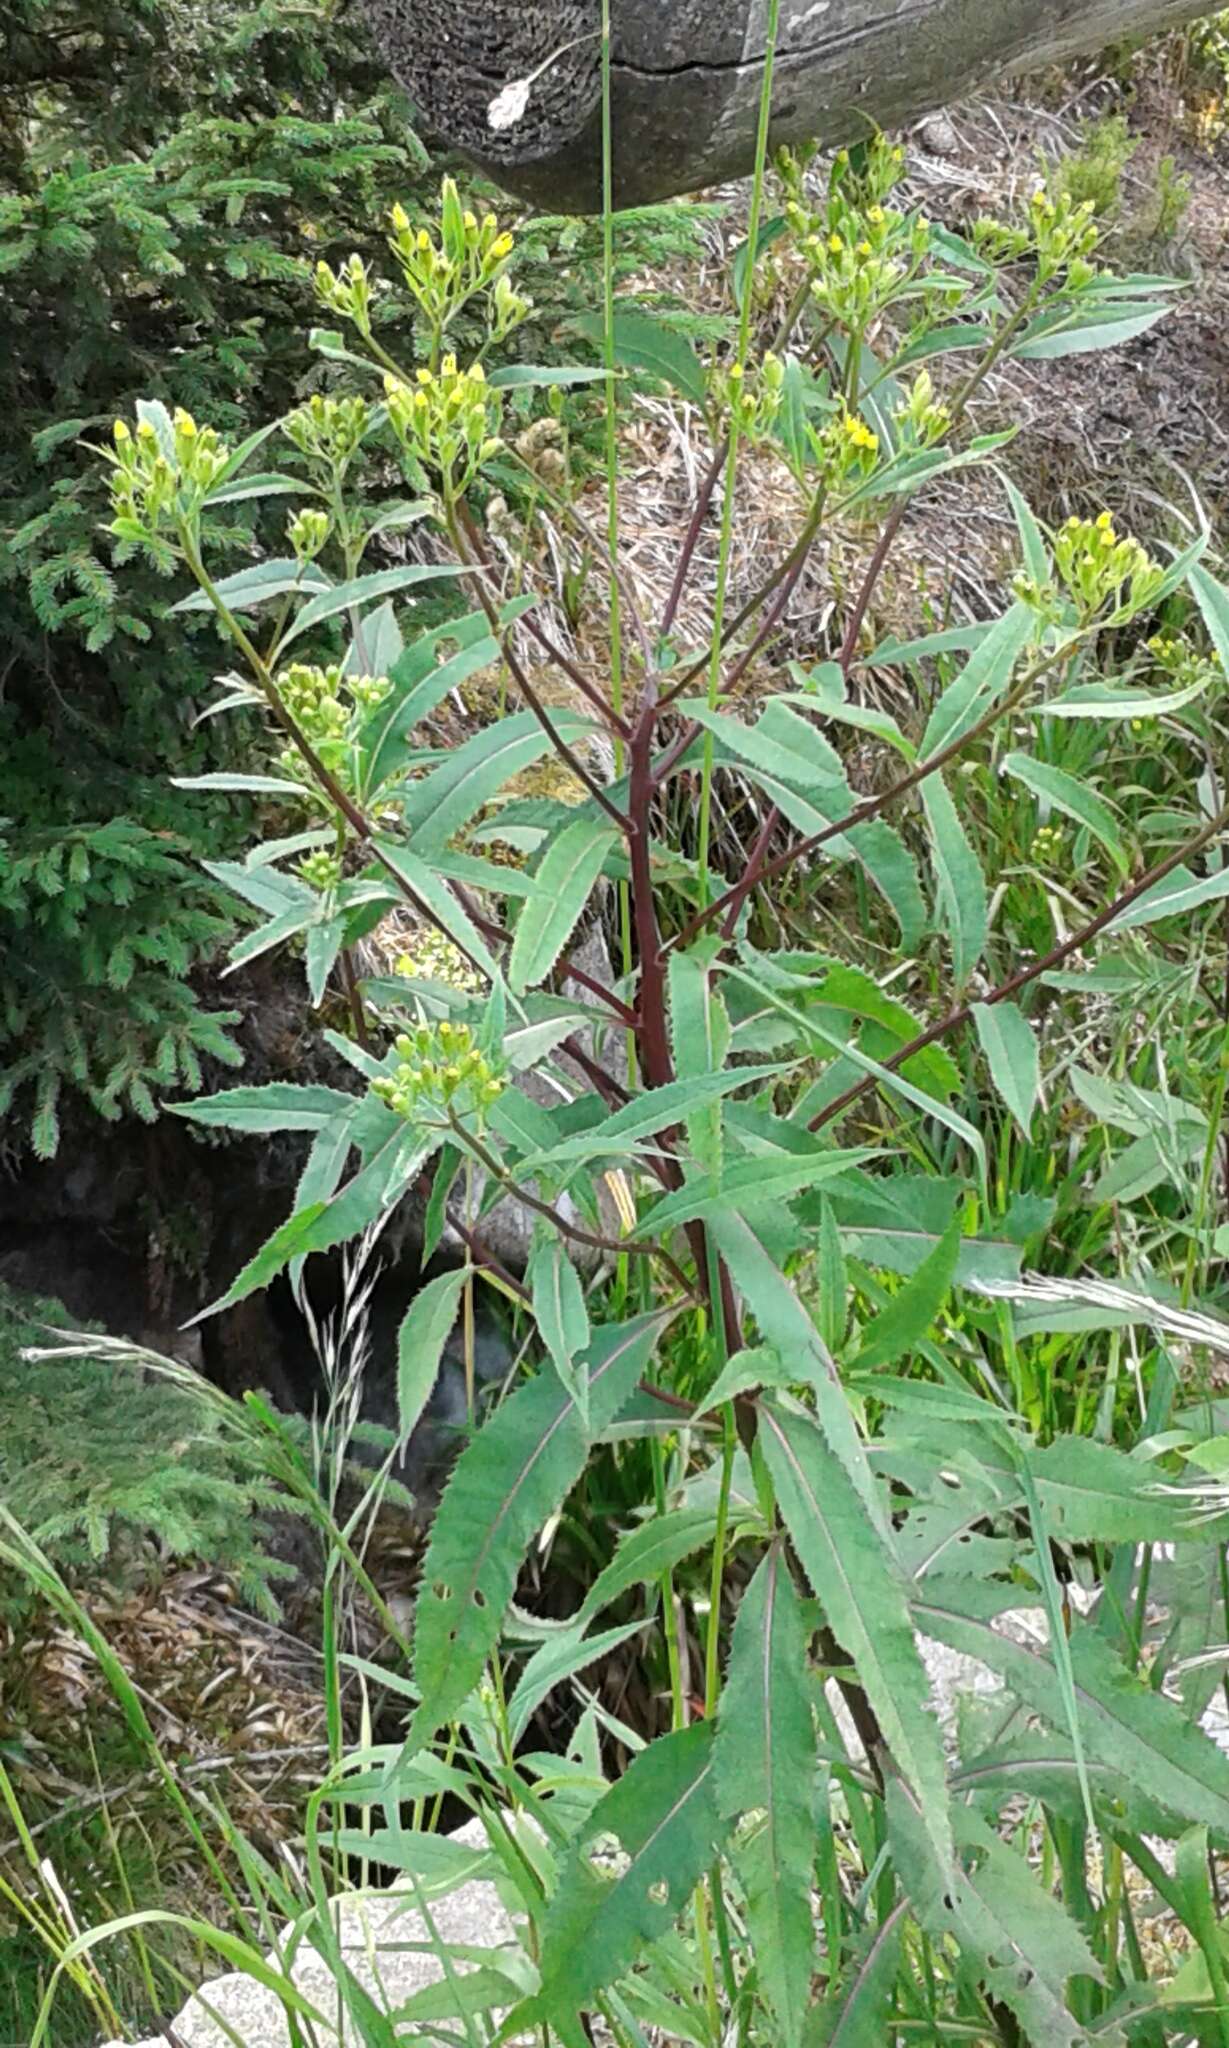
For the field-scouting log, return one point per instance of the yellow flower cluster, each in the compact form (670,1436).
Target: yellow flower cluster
(1098,567)
(440,1067)
(449,424)
(468,257)
(162,474)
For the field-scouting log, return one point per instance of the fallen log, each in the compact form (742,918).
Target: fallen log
(516,84)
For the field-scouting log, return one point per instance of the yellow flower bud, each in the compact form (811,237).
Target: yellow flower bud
(121,431)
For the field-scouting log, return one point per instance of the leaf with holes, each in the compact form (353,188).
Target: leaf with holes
(860,1584)
(764,1763)
(513,1476)
(1124,1723)
(663,1815)
(1013,1937)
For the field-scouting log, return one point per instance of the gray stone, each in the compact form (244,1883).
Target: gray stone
(516,84)
(374,1929)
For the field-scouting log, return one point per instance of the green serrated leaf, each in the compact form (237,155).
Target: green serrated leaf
(365,590)
(904,1324)
(1074,799)
(507,1482)
(982,681)
(420,1346)
(563,883)
(561,1315)
(646,1552)
(280,1106)
(663,1816)
(764,1763)
(446,799)
(1010,1046)
(961,885)
(860,1584)
(643,343)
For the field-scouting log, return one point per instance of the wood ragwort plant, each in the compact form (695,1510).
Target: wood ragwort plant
(807,1855)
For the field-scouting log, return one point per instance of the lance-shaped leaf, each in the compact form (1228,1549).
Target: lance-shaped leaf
(376,1187)
(764,1762)
(281,1106)
(663,1815)
(904,1323)
(1123,1722)
(788,1329)
(365,590)
(643,343)
(650,1113)
(1011,1050)
(561,1657)
(981,682)
(250,587)
(561,1316)
(562,886)
(514,1475)
(1075,799)
(420,1346)
(860,1584)
(855,2014)
(646,1552)
(441,902)
(753,1183)
(960,883)
(1014,1938)
(446,799)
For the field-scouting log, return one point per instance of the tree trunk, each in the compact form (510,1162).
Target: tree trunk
(688,75)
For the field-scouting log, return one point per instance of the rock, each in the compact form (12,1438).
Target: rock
(516,84)
(377,1931)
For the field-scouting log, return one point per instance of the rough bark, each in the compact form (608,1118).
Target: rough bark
(688,74)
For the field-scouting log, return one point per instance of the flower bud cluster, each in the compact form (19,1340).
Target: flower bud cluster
(321,870)
(330,710)
(440,1067)
(923,420)
(448,424)
(748,398)
(1061,235)
(329,430)
(159,479)
(348,292)
(308,533)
